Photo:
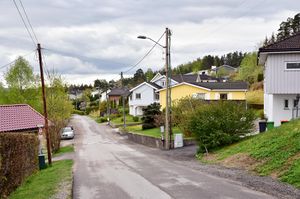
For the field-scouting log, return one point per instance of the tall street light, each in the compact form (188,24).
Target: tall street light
(168,81)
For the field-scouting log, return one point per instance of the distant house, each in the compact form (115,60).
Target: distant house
(223,71)
(206,91)
(20,118)
(115,95)
(282,79)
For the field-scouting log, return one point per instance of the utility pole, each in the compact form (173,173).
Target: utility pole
(99,101)
(44,105)
(168,94)
(123,100)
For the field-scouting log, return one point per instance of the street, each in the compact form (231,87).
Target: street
(109,166)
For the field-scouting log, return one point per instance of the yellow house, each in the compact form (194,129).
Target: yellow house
(206,91)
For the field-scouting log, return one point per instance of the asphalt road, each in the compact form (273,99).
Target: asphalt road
(109,166)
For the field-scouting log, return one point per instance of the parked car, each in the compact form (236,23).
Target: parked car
(67,133)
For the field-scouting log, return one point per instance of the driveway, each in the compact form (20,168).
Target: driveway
(109,166)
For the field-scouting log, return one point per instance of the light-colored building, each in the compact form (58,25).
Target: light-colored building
(282,79)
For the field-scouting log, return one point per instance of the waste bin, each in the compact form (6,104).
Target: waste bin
(262,126)
(270,125)
(42,163)
(284,121)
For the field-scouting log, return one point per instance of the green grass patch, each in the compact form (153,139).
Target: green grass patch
(277,151)
(155,132)
(65,149)
(45,183)
(255,97)
(129,119)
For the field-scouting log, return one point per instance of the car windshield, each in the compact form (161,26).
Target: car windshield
(67,129)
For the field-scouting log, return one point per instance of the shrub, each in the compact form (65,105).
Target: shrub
(147,126)
(78,112)
(135,118)
(219,124)
(149,114)
(19,159)
(101,119)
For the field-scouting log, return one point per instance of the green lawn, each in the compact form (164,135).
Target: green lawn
(65,149)
(275,152)
(46,183)
(155,132)
(119,120)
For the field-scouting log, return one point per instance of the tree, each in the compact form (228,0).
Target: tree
(149,114)
(102,84)
(139,77)
(249,69)
(20,75)
(296,23)
(149,74)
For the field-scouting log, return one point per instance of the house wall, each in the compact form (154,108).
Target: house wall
(274,107)
(147,98)
(182,91)
(163,79)
(278,80)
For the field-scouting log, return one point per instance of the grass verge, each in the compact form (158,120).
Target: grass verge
(65,149)
(129,119)
(275,153)
(47,183)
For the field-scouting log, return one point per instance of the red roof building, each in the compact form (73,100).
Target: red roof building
(19,117)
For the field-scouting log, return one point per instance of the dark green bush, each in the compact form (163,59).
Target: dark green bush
(101,119)
(18,160)
(78,112)
(147,126)
(135,118)
(221,123)
(149,114)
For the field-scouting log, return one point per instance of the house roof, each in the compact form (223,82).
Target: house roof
(224,66)
(154,85)
(192,78)
(291,43)
(151,84)
(240,86)
(18,117)
(118,92)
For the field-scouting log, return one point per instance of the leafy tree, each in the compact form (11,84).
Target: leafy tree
(139,76)
(20,75)
(149,74)
(249,70)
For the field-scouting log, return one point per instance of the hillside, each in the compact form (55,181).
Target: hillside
(275,153)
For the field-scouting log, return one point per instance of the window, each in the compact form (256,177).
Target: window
(286,104)
(296,102)
(163,83)
(130,97)
(293,66)
(156,96)
(223,96)
(199,96)
(138,96)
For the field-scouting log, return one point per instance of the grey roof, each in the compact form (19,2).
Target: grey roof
(154,85)
(291,43)
(192,78)
(118,92)
(222,85)
(225,66)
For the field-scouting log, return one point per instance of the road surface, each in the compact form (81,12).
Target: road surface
(109,166)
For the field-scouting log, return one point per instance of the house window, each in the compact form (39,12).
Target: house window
(223,96)
(199,96)
(163,83)
(293,66)
(286,104)
(130,97)
(296,103)
(138,96)
(156,96)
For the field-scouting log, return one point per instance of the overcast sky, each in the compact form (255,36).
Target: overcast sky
(89,39)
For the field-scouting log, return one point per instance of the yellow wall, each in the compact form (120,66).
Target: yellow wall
(183,90)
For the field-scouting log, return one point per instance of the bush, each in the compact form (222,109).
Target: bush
(101,119)
(147,126)
(219,124)
(135,118)
(19,159)
(78,112)
(149,114)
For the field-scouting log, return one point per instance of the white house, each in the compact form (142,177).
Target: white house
(282,79)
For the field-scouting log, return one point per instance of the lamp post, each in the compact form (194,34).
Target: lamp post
(168,127)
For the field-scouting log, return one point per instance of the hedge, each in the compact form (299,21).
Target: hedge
(18,160)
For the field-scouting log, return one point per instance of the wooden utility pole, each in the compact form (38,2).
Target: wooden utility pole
(44,105)
(123,101)
(168,96)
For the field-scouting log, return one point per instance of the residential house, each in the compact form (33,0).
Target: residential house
(223,71)
(146,93)
(115,95)
(20,118)
(282,79)
(206,91)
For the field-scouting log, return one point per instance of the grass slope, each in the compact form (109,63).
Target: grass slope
(65,149)
(275,153)
(46,183)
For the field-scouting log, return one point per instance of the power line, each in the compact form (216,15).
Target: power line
(28,21)
(8,64)
(24,23)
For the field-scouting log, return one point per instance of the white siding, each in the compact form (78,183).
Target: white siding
(278,80)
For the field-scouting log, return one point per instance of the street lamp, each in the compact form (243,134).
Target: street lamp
(168,127)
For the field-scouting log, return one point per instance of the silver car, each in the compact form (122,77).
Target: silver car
(67,133)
